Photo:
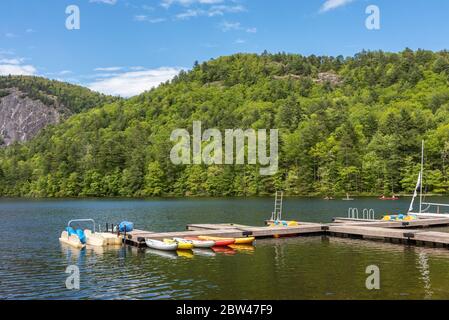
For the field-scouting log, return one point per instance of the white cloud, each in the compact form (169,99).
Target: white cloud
(240,41)
(333,4)
(11,65)
(169,3)
(112,2)
(108,69)
(229,26)
(222,9)
(17,69)
(15,61)
(145,18)
(251,30)
(10,35)
(212,11)
(132,83)
(190,14)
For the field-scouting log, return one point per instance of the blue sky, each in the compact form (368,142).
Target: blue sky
(124,47)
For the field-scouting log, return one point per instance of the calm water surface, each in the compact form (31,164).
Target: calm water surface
(33,261)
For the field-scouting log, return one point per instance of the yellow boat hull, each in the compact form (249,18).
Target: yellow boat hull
(246,240)
(181,244)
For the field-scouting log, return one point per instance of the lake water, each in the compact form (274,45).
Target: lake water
(33,262)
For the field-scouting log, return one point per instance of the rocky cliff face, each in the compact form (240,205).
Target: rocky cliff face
(21,118)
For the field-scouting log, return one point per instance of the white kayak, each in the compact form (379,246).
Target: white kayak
(197,243)
(160,245)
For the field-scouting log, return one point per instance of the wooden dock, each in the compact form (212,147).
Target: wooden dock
(407,232)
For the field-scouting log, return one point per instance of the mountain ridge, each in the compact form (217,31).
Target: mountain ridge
(357,130)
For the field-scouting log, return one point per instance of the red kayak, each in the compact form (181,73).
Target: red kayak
(224,242)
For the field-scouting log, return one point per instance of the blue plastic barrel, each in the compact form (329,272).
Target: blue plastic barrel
(126,226)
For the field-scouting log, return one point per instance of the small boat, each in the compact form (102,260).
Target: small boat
(347,198)
(102,238)
(197,243)
(244,240)
(182,244)
(161,245)
(72,240)
(88,236)
(219,242)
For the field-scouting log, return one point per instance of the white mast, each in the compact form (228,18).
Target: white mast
(422,177)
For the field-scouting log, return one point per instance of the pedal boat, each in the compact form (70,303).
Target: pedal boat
(72,240)
(102,238)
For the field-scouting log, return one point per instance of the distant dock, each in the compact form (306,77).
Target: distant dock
(414,232)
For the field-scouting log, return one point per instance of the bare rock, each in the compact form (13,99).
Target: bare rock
(330,77)
(21,118)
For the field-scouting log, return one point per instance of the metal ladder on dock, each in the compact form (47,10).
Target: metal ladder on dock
(276,215)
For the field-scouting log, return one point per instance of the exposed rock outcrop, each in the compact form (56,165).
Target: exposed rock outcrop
(21,118)
(330,77)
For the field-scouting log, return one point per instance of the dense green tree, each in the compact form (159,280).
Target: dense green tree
(350,124)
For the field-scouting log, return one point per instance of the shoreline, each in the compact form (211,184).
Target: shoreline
(314,197)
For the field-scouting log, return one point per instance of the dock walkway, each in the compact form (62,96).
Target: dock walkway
(407,232)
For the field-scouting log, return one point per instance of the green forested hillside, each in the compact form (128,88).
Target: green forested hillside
(51,92)
(346,125)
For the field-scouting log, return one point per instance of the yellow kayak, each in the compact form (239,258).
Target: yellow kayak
(182,245)
(245,240)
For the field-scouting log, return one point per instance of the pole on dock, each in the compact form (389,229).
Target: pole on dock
(422,176)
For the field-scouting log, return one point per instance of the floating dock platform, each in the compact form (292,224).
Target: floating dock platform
(413,232)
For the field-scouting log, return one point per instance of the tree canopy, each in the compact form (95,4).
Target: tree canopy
(351,124)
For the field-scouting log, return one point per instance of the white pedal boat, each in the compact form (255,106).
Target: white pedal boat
(198,243)
(102,238)
(92,238)
(160,245)
(72,240)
